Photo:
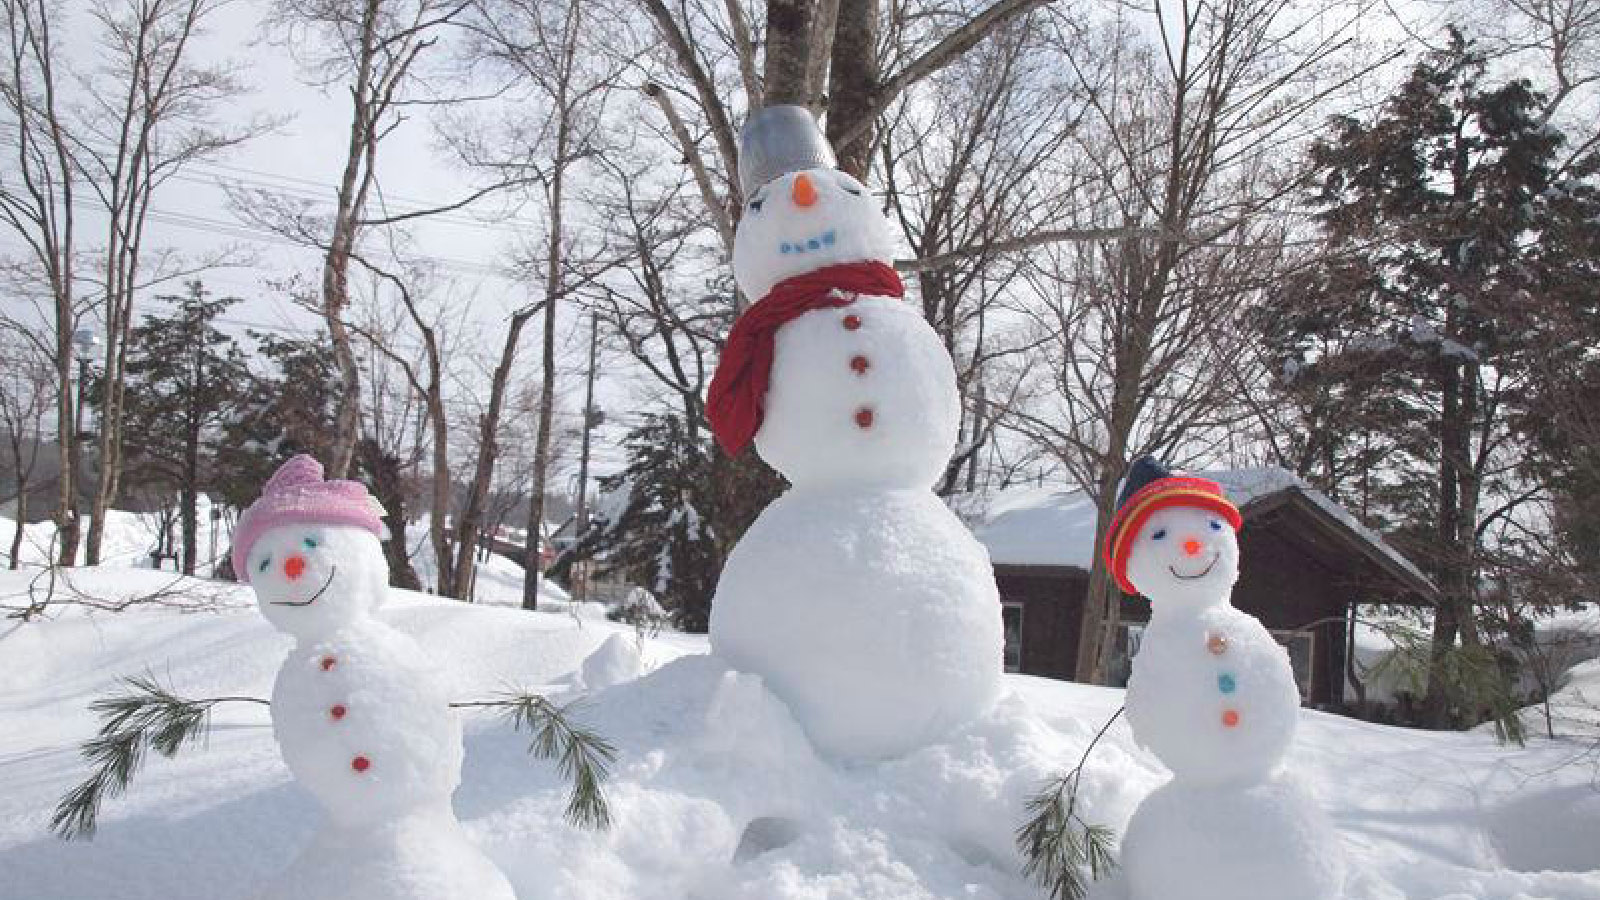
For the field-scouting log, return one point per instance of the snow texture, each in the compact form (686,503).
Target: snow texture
(1266,841)
(858,596)
(704,751)
(616,661)
(363,720)
(874,614)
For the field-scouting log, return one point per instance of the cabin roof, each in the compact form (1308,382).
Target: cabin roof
(1045,527)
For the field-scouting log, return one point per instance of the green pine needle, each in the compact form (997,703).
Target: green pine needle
(1057,843)
(144,716)
(582,756)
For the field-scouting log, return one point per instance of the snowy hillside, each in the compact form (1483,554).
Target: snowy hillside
(703,751)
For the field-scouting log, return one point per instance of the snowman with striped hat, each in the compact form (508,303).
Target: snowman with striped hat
(359,711)
(1213,696)
(861,600)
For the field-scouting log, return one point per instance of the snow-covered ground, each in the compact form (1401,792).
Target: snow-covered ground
(703,751)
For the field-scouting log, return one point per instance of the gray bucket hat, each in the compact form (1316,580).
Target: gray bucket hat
(777,140)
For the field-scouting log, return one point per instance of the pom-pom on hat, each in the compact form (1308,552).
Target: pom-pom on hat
(297,494)
(1149,487)
(777,140)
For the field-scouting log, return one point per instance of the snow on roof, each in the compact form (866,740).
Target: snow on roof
(1054,527)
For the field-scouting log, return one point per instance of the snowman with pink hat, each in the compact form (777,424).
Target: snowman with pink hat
(359,711)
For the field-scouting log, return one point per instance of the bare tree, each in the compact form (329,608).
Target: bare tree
(1187,137)
(159,119)
(37,197)
(27,393)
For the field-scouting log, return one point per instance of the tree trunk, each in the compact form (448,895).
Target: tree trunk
(383,471)
(67,525)
(469,526)
(16,532)
(789,34)
(854,85)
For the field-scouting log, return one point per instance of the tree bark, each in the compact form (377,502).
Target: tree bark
(853,85)
(788,45)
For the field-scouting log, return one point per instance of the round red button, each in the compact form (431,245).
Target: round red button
(860,365)
(1230,718)
(328,662)
(337,711)
(852,322)
(863,418)
(360,764)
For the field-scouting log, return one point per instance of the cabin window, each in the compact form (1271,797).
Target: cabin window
(1011,620)
(1302,646)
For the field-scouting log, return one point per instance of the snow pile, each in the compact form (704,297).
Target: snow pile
(704,753)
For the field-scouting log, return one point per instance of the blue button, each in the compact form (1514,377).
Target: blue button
(1225,683)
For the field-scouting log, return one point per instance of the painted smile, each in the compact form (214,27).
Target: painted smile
(825,239)
(314,597)
(1199,575)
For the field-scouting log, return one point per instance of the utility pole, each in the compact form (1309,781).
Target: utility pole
(581,583)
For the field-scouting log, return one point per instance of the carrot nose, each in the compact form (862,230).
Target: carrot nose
(294,566)
(1192,547)
(804,192)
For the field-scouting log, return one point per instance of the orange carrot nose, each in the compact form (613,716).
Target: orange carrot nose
(804,192)
(294,566)
(1192,547)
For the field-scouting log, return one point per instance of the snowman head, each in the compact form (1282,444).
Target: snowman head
(313,579)
(311,550)
(800,213)
(1173,538)
(805,221)
(1185,557)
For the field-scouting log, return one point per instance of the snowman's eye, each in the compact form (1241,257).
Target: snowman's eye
(265,561)
(755,205)
(311,543)
(1216,524)
(1159,535)
(850,190)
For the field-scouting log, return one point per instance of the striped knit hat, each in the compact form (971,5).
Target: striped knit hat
(1149,487)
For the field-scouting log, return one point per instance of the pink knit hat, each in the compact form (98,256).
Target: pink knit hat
(296,494)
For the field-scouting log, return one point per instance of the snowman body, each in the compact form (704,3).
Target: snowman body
(861,599)
(1213,696)
(363,722)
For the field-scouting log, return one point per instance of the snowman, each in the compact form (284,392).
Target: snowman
(1213,696)
(861,600)
(357,709)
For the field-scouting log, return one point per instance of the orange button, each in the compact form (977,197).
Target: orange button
(1230,718)
(1217,644)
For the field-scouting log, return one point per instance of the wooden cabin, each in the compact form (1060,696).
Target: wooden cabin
(1305,565)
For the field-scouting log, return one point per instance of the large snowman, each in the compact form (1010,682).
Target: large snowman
(358,710)
(1213,696)
(860,599)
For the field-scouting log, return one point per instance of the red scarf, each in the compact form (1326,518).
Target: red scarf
(740,383)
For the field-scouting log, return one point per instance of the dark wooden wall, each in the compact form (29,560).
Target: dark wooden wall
(1287,579)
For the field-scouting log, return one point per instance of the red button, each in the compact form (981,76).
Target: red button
(360,763)
(860,365)
(863,418)
(338,711)
(1230,718)
(328,663)
(852,322)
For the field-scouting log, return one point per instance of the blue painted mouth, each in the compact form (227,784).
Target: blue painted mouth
(825,239)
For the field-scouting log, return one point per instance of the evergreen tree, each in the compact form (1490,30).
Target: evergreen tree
(686,503)
(1419,330)
(184,378)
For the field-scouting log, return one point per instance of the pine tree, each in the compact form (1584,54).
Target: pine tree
(184,378)
(1420,325)
(686,505)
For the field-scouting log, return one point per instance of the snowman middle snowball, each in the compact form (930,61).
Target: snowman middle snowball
(858,596)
